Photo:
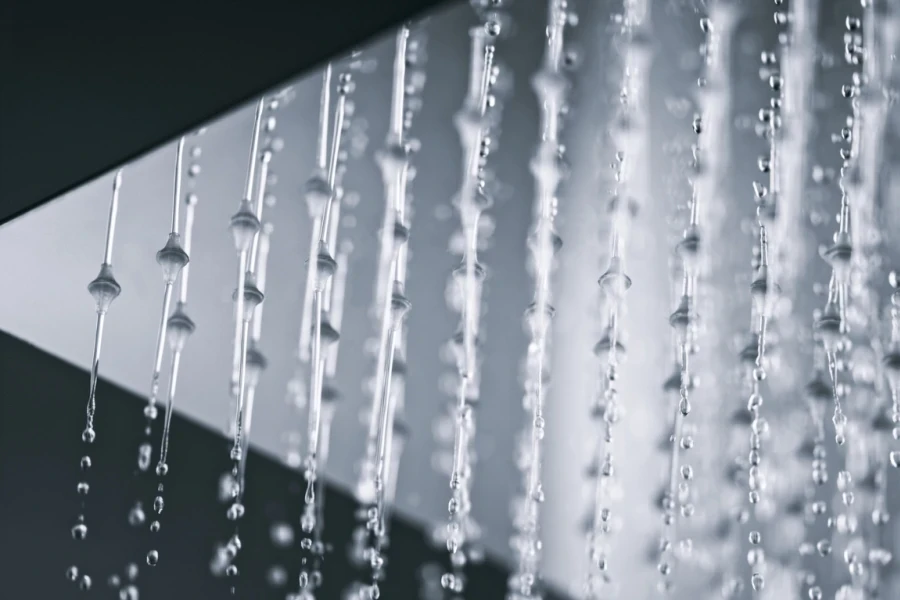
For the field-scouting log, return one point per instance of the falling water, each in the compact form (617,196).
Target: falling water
(855,353)
(180,325)
(324,335)
(394,163)
(879,33)
(245,227)
(316,194)
(476,124)
(179,328)
(104,289)
(763,290)
(312,522)
(891,363)
(798,71)
(627,132)
(471,125)
(171,258)
(759,289)
(256,360)
(387,430)
(818,396)
(323,195)
(257,262)
(862,328)
(551,88)
(832,325)
(325,266)
(684,320)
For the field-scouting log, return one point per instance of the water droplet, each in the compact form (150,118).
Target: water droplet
(235,511)
(83,488)
(129,592)
(72,573)
(757,581)
(145,452)
(448,581)
(158,504)
(895,458)
(136,515)
(152,558)
(88,435)
(154,526)
(79,531)
(277,576)
(820,476)
(85,583)
(282,535)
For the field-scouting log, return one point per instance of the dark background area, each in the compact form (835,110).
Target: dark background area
(42,402)
(87,86)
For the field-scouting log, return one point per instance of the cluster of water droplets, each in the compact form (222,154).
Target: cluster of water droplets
(551,87)
(393,393)
(252,238)
(762,293)
(683,320)
(172,258)
(818,395)
(879,555)
(245,227)
(387,432)
(104,289)
(312,521)
(627,129)
(831,326)
(790,73)
(176,331)
(797,68)
(891,362)
(323,196)
(478,124)
(869,46)
(833,353)
(315,194)
(256,361)
(473,123)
